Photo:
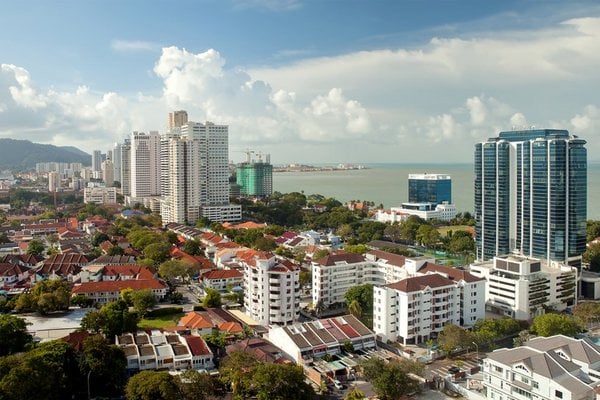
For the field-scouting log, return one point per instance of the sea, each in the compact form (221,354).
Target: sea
(387,184)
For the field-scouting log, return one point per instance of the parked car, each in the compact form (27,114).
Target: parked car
(453,370)
(338,385)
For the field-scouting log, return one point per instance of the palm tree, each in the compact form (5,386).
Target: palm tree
(355,394)
(355,309)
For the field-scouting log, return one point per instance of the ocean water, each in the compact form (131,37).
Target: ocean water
(388,184)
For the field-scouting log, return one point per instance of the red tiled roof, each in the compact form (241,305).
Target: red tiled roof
(197,346)
(230,327)
(137,271)
(222,274)
(453,273)
(393,259)
(195,320)
(417,283)
(117,286)
(62,259)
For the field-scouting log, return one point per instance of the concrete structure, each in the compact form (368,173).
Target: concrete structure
(162,350)
(126,168)
(108,173)
(96,160)
(255,178)
(221,279)
(521,287)
(556,367)
(531,195)
(312,340)
(53,181)
(426,211)
(145,164)
(271,288)
(100,195)
(117,159)
(177,119)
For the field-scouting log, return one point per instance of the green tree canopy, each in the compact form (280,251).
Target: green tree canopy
(453,338)
(212,298)
(587,312)
(107,365)
(112,319)
(192,247)
(158,252)
(51,295)
(143,301)
(363,294)
(281,382)
(13,334)
(355,394)
(173,269)
(556,324)
(35,247)
(389,380)
(196,385)
(152,385)
(592,257)
(236,370)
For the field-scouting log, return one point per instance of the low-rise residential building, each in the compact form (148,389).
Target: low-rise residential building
(104,284)
(11,274)
(159,350)
(100,195)
(271,288)
(222,279)
(522,287)
(416,308)
(544,368)
(312,340)
(65,266)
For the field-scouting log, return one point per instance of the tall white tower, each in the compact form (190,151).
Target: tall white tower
(108,173)
(145,164)
(96,160)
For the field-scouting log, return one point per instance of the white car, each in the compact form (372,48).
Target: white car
(338,385)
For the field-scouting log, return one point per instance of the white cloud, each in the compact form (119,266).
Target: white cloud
(382,105)
(133,45)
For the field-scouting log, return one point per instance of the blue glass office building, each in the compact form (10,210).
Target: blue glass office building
(531,195)
(429,188)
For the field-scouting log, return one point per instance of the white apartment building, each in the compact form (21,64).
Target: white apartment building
(545,368)
(96,160)
(116,159)
(520,287)
(53,181)
(271,289)
(100,195)
(126,167)
(108,173)
(145,165)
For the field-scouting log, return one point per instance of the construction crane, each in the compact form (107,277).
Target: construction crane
(248,153)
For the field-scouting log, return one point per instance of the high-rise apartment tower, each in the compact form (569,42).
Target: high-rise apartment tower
(531,195)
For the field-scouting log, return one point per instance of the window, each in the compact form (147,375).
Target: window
(558,394)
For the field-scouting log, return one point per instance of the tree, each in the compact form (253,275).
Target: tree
(281,382)
(157,252)
(427,235)
(93,321)
(47,372)
(345,231)
(305,278)
(393,232)
(587,312)
(356,248)
(106,363)
(556,324)
(196,385)
(51,295)
(453,338)
(236,370)
(98,238)
(265,244)
(192,247)
(111,320)
(81,300)
(488,331)
(592,257)
(13,334)
(593,230)
(355,309)
(35,247)
(173,269)
(523,337)
(363,294)
(115,251)
(212,298)
(390,380)
(152,385)
(127,296)
(143,300)
(355,394)
(320,254)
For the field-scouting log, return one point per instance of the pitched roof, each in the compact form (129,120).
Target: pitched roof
(222,274)
(117,286)
(195,320)
(333,259)
(71,258)
(230,327)
(197,345)
(454,274)
(417,283)
(391,258)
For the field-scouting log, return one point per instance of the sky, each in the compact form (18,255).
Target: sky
(316,81)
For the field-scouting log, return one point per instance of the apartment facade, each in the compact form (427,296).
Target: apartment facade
(523,287)
(100,195)
(531,195)
(145,164)
(271,289)
(545,368)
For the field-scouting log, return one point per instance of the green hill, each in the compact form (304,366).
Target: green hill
(19,155)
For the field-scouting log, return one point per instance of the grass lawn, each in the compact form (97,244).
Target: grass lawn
(164,321)
(444,229)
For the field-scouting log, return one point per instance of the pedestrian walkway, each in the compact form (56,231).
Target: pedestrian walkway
(441,368)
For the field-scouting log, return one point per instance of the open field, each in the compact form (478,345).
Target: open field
(161,322)
(443,230)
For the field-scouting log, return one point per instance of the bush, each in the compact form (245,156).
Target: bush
(164,311)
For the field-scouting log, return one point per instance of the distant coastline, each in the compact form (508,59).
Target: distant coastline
(314,168)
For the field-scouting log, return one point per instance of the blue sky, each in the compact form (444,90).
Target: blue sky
(307,81)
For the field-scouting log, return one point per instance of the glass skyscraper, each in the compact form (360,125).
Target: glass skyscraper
(531,195)
(429,188)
